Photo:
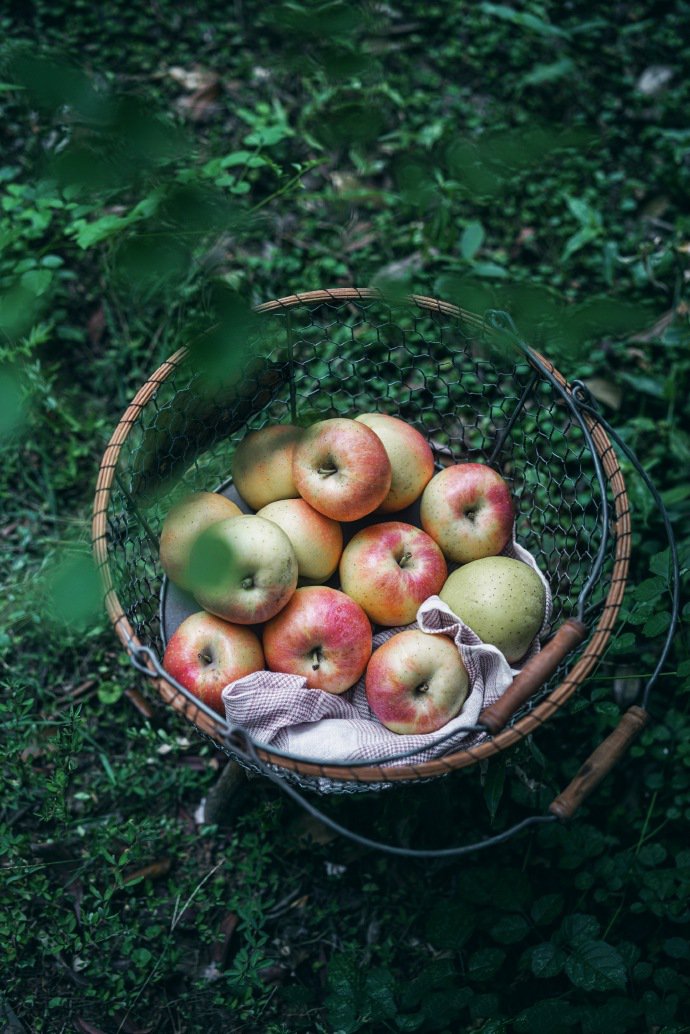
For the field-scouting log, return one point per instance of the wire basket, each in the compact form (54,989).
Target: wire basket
(475,391)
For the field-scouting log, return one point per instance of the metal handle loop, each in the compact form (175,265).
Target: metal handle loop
(240,743)
(250,755)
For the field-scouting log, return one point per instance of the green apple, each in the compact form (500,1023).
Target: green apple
(243,569)
(184,524)
(502,600)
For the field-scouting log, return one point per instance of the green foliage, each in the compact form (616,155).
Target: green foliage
(504,156)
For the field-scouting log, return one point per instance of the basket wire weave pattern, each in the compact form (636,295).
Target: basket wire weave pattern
(344,352)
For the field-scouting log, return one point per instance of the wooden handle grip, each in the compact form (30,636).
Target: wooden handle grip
(599,763)
(535,673)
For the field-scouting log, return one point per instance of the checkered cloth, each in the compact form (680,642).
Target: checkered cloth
(278,709)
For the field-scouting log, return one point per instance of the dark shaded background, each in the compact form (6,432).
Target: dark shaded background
(534,158)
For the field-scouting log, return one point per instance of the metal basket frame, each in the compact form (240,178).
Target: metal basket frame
(615,522)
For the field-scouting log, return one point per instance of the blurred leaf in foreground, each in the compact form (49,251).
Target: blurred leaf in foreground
(73,593)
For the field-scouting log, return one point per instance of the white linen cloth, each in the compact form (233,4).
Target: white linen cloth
(278,709)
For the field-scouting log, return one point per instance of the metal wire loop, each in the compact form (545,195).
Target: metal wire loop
(430,363)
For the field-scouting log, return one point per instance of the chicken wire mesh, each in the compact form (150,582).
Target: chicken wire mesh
(474,396)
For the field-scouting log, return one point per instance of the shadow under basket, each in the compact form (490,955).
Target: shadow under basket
(478,394)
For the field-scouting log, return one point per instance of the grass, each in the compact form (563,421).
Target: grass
(500,156)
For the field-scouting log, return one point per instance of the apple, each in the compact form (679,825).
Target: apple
(262,465)
(502,600)
(316,540)
(390,569)
(416,682)
(341,468)
(412,461)
(243,569)
(322,635)
(183,524)
(468,510)
(205,653)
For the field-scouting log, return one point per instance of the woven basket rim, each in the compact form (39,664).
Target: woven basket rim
(524,726)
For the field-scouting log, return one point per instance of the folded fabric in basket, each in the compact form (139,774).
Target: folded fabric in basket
(278,709)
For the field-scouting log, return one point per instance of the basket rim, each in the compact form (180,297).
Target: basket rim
(524,726)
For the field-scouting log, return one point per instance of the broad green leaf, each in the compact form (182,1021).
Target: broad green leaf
(510,928)
(36,281)
(73,593)
(595,966)
(652,855)
(647,385)
(410,1022)
(656,624)
(547,908)
(267,136)
(87,234)
(523,19)
(248,158)
(548,73)
(650,589)
(583,237)
(471,240)
(552,1016)
(491,270)
(583,212)
(623,643)
(485,963)
(379,986)
(547,960)
(579,927)
(614,1016)
(659,563)
(436,974)
(677,948)
(444,1007)
(666,979)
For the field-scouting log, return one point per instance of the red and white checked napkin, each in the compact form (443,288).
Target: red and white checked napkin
(278,709)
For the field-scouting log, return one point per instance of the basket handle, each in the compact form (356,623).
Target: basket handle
(534,674)
(562,808)
(599,763)
(242,746)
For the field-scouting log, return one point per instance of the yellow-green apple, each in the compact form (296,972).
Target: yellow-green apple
(416,682)
(390,569)
(205,653)
(501,599)
(183,524)
(243,569)
(341,468)
(412,461)
(262,465)
(468,510)
(322,635)
(316,540)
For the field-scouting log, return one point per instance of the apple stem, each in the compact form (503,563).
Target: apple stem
(248,582)
(205,657)
(404,559)
(326,472)
(316,656)
(423,687)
